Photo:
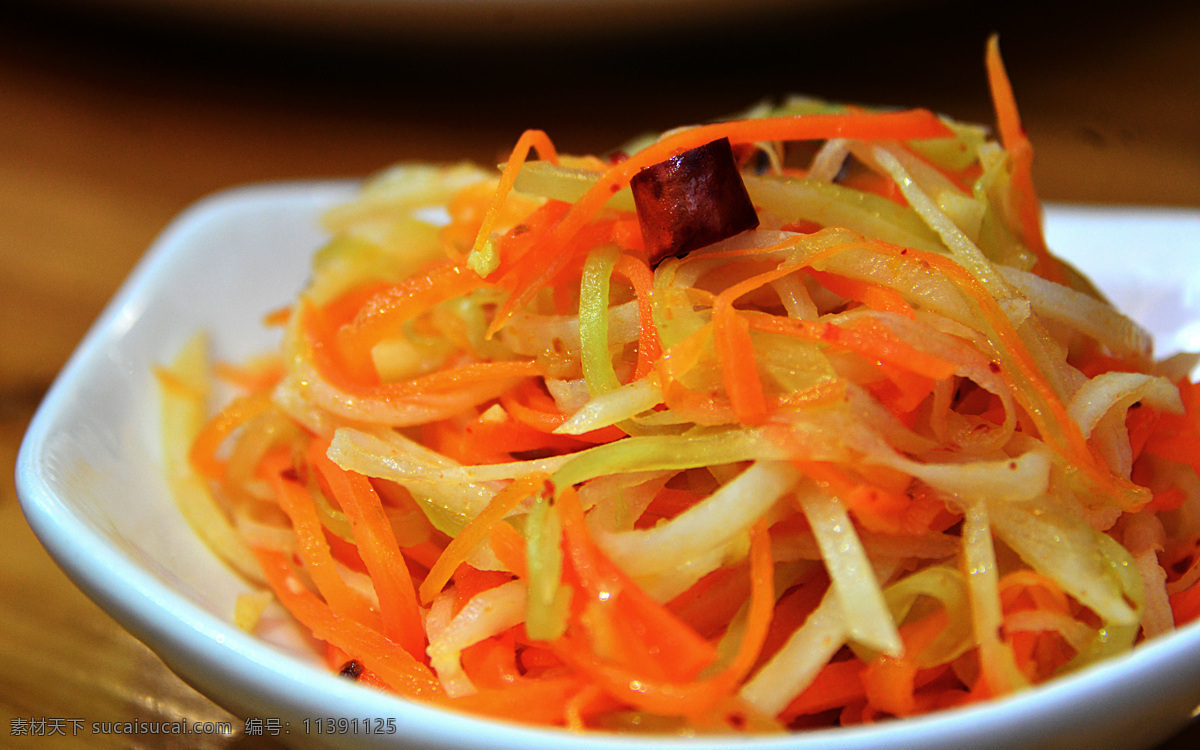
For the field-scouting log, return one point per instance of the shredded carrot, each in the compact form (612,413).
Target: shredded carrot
(277,317)
(216,431)
(1012,135)
(492,663)
(336,366)
(424,554)
(696,697)
(532,406)
(251,378)
(385,310)
(345,552)
(709,605)
(588,702)
(890,682)
(314,547)
(541,701)
(1176,437)
(485,440)
(1038,654)
(1186,605)
(676,648)
(839,683)
(874,296)
(477,530)
(516,242)
(529,140)
(377,544)
(470,581)
(458,377)
(731,334)
(543,415)
(509,548)
(395,666)
(322,324)
(634,268)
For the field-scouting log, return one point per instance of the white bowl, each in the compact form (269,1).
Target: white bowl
(89,481)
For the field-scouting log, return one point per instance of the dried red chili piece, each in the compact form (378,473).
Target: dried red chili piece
(691,200)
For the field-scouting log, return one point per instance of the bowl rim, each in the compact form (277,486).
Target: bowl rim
(172,624)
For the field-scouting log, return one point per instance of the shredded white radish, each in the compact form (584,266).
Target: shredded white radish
(1065,549)
(706,526)
(796,664)
(486,614)
(983,584)
(1111,391)
(619,404)
(864,611)
(184,388)
(829,160)
(1075,633)
(1082,312)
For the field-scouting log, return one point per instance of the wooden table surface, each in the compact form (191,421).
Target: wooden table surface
(110,125)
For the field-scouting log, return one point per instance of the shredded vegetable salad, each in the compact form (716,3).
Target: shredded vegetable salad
(784,421)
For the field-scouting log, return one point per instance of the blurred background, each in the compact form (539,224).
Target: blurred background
(115,115)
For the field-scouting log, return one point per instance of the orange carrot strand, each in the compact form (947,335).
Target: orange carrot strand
(378,547)
(696,697)
(394,665)
(637,271)
(1016,143)
(477,530)
(383,314)
(314,548)
(529,140)
(207,443)
(509,548)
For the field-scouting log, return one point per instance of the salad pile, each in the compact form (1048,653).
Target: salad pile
(777,422)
